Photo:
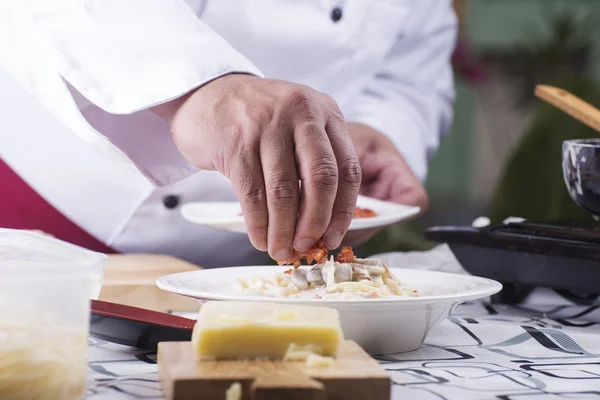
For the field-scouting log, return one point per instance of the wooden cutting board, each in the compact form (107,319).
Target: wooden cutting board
(130,279)
(354,376)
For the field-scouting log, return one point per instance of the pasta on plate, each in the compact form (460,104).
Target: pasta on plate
(345,277)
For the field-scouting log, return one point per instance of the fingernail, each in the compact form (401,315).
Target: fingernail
(261,247)
(282,254)
(333,239)
(304,244)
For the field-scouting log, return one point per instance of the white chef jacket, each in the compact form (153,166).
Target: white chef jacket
(78,77)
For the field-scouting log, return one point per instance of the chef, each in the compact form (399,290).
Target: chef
(116,112)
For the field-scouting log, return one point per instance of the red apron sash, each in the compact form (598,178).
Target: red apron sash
(21,207)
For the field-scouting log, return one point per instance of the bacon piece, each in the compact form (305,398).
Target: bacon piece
(364,213)
(317,254)
(346,255)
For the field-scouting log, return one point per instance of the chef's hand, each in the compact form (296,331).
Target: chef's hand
(265,135)
(385,175)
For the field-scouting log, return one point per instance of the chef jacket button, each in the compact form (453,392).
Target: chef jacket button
(336,14)
(171,201)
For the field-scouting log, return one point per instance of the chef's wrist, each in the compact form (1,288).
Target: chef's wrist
(169,109)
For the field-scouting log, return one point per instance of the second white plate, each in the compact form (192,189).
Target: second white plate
(226,215)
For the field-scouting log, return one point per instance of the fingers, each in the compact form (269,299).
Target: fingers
(283,193)
(407,189)
(388,177)
(303,138)
(248,183)
(350,176)
(318,172)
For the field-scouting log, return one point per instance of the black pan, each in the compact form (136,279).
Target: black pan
(137,327)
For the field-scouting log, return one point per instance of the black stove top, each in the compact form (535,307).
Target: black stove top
(559,255)
(576,231)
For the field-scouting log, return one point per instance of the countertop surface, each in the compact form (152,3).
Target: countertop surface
(546,348)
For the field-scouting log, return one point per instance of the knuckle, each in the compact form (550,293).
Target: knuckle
(283,192)
(317,224)
(334,109)
(300,100)
(261,115)
(254,196)
(350,171)
(325,174)
(297,95)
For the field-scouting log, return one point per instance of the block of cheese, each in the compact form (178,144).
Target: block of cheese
(242,330)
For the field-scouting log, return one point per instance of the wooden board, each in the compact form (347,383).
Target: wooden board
(355,376)
(130,279)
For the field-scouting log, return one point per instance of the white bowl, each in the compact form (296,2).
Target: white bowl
(380,326)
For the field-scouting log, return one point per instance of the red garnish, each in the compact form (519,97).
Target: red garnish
(317,254)
(345,255)
(288,271)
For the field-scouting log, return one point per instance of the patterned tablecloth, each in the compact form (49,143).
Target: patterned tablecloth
(547,348)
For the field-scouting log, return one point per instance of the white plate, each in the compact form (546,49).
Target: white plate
(225,215)
(380,326)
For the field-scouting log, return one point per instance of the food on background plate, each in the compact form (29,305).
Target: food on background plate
(345,277)
(250,330)
(364,213)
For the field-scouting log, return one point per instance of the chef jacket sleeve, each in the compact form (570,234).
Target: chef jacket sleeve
(410,97)
(119,58)
(129,55)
